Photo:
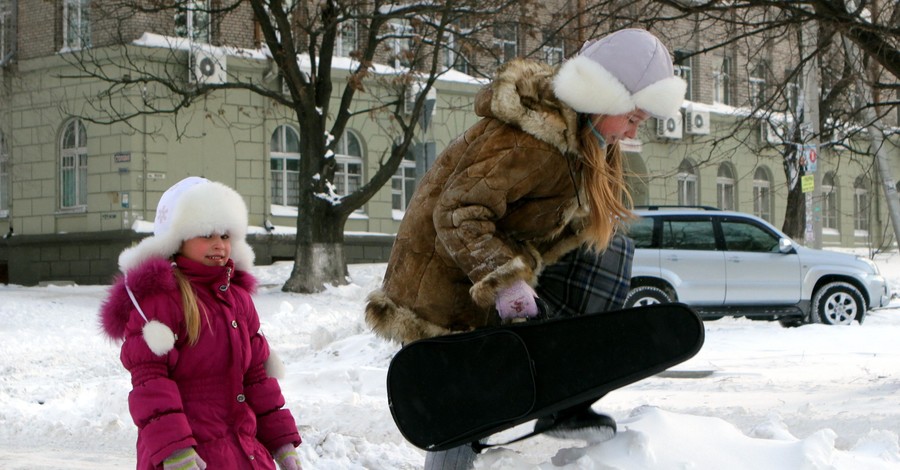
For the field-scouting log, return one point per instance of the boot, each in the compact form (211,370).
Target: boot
(578,423)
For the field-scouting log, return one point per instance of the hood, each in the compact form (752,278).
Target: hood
(153,277)
(522,95)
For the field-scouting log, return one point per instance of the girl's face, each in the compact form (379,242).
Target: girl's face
(620,126)
(211,250)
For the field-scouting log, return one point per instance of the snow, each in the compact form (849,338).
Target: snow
(814,397)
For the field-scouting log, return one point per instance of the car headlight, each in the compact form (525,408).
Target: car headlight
(870,263)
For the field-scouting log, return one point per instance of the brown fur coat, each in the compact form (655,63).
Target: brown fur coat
(500,203)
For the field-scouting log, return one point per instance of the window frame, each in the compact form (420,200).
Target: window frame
(762,194)
(505,36)
(283,154)
(688,184)
(403,184)
(757,84)
(77,14)
(347,27)
(722,82)
(343,177)
(861,203)
(7,31)
(75,198)
(554,49)
(726,188)
(830,202)
(201,34)
(683,67)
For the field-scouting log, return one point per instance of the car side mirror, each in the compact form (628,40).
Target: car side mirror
(785,245)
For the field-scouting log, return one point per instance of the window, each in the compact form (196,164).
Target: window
(76,24)
(192,21)
(348,34)
(762,194)
(725,188)
(683,69)
(688,235)
(861,206)
(687,184)
(829,202)
(348,175)
(4,177)
(743,236)
(73,166)
(403,183)
(722,83)
(641,231)
(506,41)
(456,55)
(554,53)
(285,166)
(402,43)
(7,31)
(758,85)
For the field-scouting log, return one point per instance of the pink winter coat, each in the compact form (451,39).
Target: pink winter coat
(217,395)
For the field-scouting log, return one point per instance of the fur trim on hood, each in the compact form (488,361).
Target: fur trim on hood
(522,95)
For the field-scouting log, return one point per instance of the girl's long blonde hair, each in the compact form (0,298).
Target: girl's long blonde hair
(190,306)
(604,181)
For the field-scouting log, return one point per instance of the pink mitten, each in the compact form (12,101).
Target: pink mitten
(184,459)
(287,458)
(516,301)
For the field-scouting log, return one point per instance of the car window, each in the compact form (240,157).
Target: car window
(744,236)
(688,235)
(641,230)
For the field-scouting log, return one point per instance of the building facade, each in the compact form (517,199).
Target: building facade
(75,191)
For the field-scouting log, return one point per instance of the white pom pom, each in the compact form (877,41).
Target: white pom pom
(159,337)
(274,366)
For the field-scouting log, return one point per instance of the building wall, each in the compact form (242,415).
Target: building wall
(226,137)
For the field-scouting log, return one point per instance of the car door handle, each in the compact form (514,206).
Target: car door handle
(734,259)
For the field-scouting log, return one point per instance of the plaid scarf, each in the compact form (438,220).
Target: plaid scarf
(584,281)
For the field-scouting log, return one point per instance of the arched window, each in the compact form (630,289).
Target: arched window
(73,166)
(861,206)
(762,194)
(687,184)
(348,156)
(285,166)
(4,177)
(725,190)
(829,202)
(403,184)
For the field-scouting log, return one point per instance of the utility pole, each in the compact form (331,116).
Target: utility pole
(809,134)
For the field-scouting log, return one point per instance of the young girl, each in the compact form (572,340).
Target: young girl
(520,217)
(204,389)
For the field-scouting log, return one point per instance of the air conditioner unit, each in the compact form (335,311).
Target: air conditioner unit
(207,67)
(696,122)
(412,92)
(670,127)
(768,134)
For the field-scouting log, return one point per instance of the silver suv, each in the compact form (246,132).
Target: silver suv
(729,263)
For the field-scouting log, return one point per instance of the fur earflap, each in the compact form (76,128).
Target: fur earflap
(589,88)
(663,98)
(159,337)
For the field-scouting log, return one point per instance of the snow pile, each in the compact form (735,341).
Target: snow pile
(814,397)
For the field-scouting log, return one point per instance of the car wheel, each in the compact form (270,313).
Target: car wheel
(646,295)
(838,303)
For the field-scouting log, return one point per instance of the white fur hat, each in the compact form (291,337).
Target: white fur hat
(194,207)
(620,72)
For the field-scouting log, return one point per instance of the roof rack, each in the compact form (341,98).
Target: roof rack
(657,207)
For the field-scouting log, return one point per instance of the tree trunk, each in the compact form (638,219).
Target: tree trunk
(318,256)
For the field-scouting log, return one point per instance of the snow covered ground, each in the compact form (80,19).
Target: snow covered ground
(814,397)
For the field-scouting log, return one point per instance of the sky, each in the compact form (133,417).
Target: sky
(814,397)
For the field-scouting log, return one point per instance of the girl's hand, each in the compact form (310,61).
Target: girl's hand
(287,458)
(184,459)
(516,301)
